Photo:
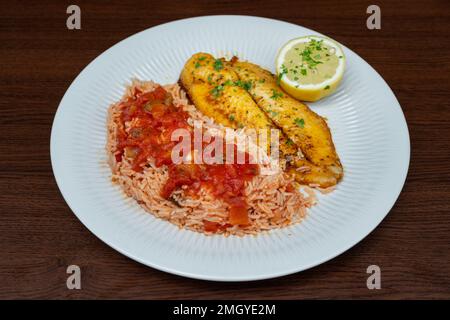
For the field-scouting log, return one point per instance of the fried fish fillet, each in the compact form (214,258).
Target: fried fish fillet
(305,128)
(215,89)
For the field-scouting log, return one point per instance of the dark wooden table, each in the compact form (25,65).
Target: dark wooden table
(40,237)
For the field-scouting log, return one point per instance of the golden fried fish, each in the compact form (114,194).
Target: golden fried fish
(305,128)
(215,89)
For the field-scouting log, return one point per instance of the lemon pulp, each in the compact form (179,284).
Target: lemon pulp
(310,68)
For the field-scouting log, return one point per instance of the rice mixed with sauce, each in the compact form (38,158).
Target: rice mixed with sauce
(228,199)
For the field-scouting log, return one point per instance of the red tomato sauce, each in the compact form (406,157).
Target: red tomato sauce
(154,118)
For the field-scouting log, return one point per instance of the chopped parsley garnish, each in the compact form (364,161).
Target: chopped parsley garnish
(310,55)
(284,71)
(231,117)
(276,94)
(201,58)
(246,85)
(317,44)
(273,113)
(299,123)
(289,142)
(218,64)
(327,87)
(210,78)
(306,57)
(217,91)
(262,80)
(197,65)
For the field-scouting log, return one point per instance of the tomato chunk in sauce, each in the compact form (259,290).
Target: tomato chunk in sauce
(152,118)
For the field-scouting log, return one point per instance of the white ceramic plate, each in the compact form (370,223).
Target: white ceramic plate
(365,118)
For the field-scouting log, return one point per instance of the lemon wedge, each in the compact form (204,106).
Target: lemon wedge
(310,68)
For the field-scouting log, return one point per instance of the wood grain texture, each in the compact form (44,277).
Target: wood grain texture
(40,237)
